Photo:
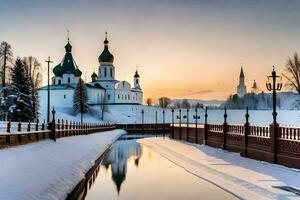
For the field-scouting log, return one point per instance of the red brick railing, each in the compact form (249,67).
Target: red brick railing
(273,144)
(17,133)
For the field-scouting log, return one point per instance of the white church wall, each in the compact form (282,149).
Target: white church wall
(95,95)
(69,79)
(106,72)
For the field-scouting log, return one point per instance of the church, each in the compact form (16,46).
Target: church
(104,88)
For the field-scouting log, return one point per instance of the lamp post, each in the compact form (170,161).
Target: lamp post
(274,83)
(48,89)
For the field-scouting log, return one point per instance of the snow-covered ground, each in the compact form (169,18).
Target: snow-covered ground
(48,169)
(125,114)
(246,178)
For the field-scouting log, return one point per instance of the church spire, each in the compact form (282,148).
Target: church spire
(106,56)
(242,73)
(106,40)
(68,46)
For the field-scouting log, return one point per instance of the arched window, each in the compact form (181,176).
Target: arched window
(111,72)
(69,80)
(64,96)
(59,82)
(108,97)
(105,72)
(54,81)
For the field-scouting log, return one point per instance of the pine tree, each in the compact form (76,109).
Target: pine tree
(23,109)
(33,69)
(80,99)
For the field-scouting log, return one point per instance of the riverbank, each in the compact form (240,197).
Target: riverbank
(48,169)
(246,178)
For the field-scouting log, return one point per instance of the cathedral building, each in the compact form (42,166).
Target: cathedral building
(241,88)
(104,88)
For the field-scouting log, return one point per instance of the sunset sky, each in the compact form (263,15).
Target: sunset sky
(183,49)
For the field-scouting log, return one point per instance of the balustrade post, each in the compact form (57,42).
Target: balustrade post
(19,126)
(37,125)
(196,126)
(224,129)
(180,124)
(156,120)
(142,121)
(67,128)
(52,126)
(28,126)
(164,124)
(274,132)
(205,127)
(246,133)
(172,135)
(8,126)
(43,125)
(187,126)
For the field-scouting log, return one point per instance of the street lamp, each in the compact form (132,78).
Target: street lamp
(274,83)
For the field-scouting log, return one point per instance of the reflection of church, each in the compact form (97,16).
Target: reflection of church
(121,152)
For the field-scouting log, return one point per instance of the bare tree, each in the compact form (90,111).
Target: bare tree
(185,104)
(164,102)
(6,56)
(34,72)
(149,102)
(293,73)
(103,106)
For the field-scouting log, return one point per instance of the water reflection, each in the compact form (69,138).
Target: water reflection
(123,150)
(133,172)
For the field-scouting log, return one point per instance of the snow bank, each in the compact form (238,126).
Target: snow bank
(131,114)
(50,170)
(246,178)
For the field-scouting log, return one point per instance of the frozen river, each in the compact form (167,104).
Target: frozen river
(132,114)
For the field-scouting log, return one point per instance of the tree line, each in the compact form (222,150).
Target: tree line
(20,80)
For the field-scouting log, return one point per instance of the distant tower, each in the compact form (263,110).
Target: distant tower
(241,88)
(136,79)
(106,72)
(254,88)
(106,59)
(94,77)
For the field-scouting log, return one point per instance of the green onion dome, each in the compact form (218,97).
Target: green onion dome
(68,64)
(106,56)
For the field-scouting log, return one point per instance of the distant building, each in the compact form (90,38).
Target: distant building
(254,88)
(241,88)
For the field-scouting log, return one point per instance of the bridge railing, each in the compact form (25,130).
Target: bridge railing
(17,133)
(273,143)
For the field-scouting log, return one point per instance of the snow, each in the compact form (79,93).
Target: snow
(131,114)
(246,178)
(48,169)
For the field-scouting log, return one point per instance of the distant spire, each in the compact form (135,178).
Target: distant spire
(106,40)
(242,72)
(68,35)
(68,46)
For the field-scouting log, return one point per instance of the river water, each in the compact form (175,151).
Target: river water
(133,171)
